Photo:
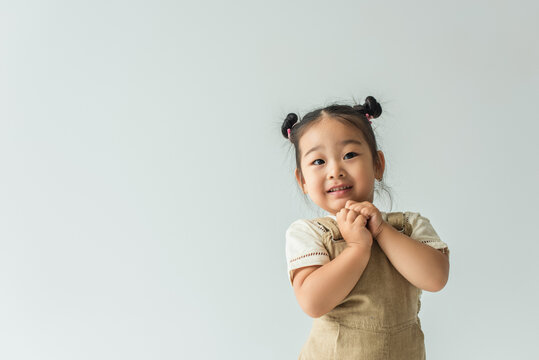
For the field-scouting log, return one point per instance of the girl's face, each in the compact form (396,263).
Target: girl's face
(334,154)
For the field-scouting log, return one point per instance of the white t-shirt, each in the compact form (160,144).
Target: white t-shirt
(304,246)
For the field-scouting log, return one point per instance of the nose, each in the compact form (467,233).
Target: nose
(335,171)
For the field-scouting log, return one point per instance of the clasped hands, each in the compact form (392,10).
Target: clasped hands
(360,222)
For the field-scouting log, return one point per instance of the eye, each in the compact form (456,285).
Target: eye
(314,162)
(353,154)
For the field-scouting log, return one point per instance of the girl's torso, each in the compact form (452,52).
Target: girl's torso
(378,319)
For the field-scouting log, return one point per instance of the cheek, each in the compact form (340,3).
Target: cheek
(367,167)
(313,181)
(310,176)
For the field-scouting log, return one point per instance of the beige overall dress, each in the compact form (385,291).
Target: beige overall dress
(378,319)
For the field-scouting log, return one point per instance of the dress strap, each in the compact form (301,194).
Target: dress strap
(399,221)
(327,224)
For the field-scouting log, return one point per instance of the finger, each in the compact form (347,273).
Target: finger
(343,211)
(364,203)
(351,216)
(361,220)
(341,215)
(366,211)
(350,203)
(370,211)
(358,208)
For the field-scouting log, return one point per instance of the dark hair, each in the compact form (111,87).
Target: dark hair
(352,115)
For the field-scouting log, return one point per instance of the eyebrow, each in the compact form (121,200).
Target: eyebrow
(344,142)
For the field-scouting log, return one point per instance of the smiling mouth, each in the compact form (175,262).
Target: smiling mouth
(339,189)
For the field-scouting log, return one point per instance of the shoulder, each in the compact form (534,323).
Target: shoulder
(422,230)
(413,214)
(417,220)
(304,234)
(304,227)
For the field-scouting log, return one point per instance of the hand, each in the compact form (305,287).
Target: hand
(352,228)
(375,223)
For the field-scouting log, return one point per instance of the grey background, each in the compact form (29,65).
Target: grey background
(146,189)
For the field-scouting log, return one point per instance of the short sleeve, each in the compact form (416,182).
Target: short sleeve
(304,246)
(423,231)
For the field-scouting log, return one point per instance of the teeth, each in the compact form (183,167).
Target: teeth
(340,188)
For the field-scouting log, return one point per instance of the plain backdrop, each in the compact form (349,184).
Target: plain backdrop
(145,188)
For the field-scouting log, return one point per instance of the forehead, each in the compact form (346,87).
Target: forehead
(328,133)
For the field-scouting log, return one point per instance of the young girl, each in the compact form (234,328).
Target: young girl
(359,272)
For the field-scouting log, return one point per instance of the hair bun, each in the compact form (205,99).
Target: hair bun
(289,121)
(371,107)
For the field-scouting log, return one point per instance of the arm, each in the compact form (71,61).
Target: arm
(421,264)
(325,287)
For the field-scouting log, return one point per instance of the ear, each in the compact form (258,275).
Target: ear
(380,171)
(300,180)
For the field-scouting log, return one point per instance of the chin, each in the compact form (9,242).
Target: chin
(337,208)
